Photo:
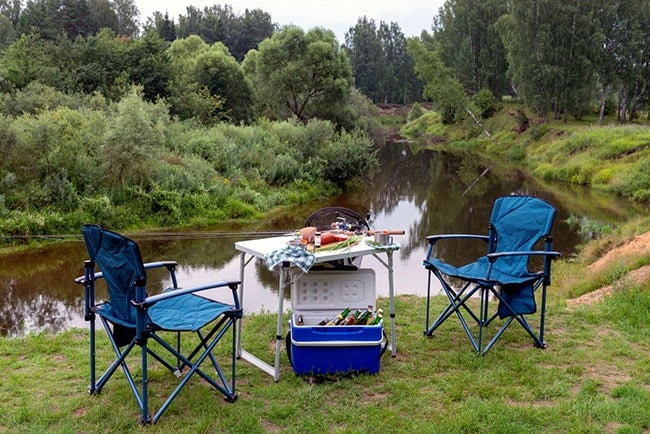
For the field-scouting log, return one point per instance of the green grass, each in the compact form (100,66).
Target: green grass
(594,377)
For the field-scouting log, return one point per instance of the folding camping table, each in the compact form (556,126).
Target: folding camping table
(259,248)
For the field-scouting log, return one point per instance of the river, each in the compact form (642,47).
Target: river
(419,191)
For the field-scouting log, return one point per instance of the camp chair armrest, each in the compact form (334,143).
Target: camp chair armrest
(159,264)
(432,239)
(552,254)
(232,284)
(170,265)
(81,280)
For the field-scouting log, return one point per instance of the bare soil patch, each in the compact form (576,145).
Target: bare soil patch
(636,247)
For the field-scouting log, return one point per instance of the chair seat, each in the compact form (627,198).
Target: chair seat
(478,272)
(197,312)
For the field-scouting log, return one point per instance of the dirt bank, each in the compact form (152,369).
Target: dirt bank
(624,254)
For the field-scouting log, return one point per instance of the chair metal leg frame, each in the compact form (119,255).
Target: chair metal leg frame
(521,319)
(459,299)
(207,343)
(96,385)
(227,390)
(455,302)
(224,388)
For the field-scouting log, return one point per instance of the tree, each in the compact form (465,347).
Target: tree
(466,39)
(39,16)
(74,18)
(103,16)
(364,48)
(53,18)
(445,91)
(9,13)
(622,59)
(381,65)
(11,10)
(27,60)
(400,84)
(549,45)
(301,75)
(128,17)
(208,84)
(162,25)
(187,100)
(7,33)
(218,72)
(149,65)
(95,64)
(239,33)
(251,29)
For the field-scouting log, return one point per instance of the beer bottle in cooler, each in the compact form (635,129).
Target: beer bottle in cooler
(378,317)
(340,318)
(363,319)
(352,319)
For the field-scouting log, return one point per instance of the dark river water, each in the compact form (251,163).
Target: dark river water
(421,192)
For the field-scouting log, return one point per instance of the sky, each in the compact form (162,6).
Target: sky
(412,16)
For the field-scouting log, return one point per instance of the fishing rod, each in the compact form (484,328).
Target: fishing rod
(161,236)
(487,169)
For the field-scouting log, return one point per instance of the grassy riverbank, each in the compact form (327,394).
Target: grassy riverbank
(611,157)
(594,377)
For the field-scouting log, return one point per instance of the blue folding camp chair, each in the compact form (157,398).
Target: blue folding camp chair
(517,225)
(133,318)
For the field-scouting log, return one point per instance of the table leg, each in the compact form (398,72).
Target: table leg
(242,266)
(278,335)
(391,296)
(241,353)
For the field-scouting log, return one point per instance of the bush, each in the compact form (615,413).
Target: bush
(634,182)
(349,157)
(415,112)
(486,103)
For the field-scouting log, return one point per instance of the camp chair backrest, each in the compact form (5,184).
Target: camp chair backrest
(518,223)
(121,265)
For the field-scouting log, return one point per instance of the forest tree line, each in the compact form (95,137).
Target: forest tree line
(559,58)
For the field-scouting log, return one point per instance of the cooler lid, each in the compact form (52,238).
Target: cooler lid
(333,290)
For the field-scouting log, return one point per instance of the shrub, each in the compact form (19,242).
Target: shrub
(349,157)
(588,229)
(415,112)
(283,170)
(486,103)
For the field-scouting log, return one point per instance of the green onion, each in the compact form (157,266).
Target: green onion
(347,243)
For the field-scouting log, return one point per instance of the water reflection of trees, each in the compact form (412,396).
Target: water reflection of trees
(34,297)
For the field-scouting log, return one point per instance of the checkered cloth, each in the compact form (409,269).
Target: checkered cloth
(294,254)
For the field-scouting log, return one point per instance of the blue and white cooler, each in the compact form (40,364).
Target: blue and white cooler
(327,349)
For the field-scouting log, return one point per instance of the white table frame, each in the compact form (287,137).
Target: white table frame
(258,248)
